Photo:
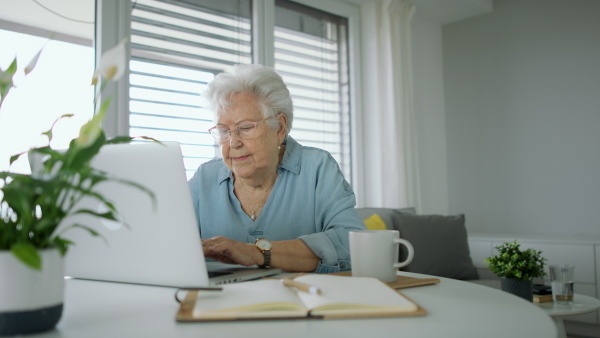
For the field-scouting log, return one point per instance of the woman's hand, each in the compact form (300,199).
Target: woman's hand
(228,251)
(291,255)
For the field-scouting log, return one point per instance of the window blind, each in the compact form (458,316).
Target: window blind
(176,49)
(310,54)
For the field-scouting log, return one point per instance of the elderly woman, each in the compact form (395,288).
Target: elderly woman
(269,201)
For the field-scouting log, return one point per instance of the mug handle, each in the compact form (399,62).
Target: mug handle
(411,252)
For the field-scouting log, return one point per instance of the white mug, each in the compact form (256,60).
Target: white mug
(374,253)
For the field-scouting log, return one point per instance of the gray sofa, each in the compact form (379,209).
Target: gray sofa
(440,242)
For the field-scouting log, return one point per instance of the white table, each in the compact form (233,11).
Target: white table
(581,304)
(456,309)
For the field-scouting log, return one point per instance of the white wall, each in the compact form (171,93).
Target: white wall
(430,113)
(522,94)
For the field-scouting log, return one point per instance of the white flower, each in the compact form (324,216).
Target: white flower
(112,64)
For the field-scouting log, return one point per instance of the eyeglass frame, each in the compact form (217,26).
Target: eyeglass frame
(236,130)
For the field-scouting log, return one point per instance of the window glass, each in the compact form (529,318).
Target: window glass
(60,84)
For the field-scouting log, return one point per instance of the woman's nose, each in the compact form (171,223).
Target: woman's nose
(235,140)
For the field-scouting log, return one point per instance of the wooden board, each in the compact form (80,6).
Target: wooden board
(402,282)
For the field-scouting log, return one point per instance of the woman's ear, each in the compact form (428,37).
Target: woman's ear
(282,119)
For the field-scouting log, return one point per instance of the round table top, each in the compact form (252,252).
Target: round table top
(454,309)
(581,304)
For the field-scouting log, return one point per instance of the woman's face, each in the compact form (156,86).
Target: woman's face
(252,158)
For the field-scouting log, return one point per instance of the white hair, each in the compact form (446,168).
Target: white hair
(259,81)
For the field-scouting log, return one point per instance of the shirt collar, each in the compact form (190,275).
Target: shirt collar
(292,159)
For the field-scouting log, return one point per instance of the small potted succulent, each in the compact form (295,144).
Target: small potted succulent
(33,207)
(517,268)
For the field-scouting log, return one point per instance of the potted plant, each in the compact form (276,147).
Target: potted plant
(517,268)
(32,206)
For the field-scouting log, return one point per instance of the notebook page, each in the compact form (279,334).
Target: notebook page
(247,297)
(358,291)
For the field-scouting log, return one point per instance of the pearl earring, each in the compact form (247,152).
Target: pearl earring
(279,147)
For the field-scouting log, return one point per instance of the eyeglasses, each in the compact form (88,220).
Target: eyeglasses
(245,131)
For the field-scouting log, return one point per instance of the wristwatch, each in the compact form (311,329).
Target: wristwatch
(265,247)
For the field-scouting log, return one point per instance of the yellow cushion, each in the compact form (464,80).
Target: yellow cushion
(375,223)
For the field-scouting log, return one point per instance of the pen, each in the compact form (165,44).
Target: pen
(301,286)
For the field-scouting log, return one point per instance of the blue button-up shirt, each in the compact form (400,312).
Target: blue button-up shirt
(310,200)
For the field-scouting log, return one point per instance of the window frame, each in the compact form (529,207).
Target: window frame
(113,24)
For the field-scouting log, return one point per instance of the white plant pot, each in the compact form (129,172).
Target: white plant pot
(30,300)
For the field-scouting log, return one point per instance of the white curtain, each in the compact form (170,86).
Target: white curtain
(389,169)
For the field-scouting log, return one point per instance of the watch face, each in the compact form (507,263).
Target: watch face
(264,244)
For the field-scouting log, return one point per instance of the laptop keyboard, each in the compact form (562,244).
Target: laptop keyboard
(212,274)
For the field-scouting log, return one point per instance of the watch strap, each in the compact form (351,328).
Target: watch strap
(267,262)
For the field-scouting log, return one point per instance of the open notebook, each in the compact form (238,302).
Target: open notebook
(340,298)
(161,245)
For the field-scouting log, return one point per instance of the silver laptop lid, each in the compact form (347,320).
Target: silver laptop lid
(161,245)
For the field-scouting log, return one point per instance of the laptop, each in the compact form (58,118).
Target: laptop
(154,243)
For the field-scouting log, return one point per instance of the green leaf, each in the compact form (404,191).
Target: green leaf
(20,198)
(107,215)
(12,69)
(150,139)
(54,155)
(119,139)
(91,231)
(15,157)
(49,133)
(61,244)
(140,187)
(77,157)
(6,80)
(27,254)
(128,139)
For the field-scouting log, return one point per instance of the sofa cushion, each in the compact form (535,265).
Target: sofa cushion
(384,213)
(440,244)
(375,223)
